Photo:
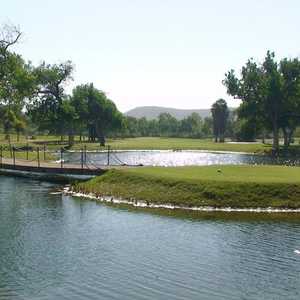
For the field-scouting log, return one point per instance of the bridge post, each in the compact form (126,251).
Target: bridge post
(61,157)
(81,158)
(44,152)
(38,155)
(85,153)
(1,153)
(14,157)
(108,154)
(27,149)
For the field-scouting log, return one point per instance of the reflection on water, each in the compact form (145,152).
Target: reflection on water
(182,158)
(58,247)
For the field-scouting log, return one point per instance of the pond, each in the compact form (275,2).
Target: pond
(177,158)
(57,247)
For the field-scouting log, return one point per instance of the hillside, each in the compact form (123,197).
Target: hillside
(152,112)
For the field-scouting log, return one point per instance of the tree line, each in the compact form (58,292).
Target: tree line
(166,125)
(34,98)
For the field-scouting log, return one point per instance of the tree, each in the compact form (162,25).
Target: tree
(220,114)
(80,104)
(16,80)
(9,120)
(9,36)
(153,128)
(130,127)
(207,127)
(290,117)
(269,93)
(272,95)
(245,131)
(168,125)
(69,118)
(102,115)
(20,126)
(143,126)
(191,126)
(46,109)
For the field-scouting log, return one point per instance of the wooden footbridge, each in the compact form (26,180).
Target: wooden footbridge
(60,169)
(51,167)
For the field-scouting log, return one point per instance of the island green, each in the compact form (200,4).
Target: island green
(217,186)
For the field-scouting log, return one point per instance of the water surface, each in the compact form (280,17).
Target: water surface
(58,247)
(179,158)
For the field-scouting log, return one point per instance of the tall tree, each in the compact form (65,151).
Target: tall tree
(102,114)
(69,119)
(272,95)
(79,102)
(290,117)
(269,92)
(16,80)
(46,108)
(220,114)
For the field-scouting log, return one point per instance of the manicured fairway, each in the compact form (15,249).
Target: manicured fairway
(185,144)
(242,173)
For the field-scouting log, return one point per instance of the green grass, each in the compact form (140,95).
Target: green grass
(184,144)
(23,142)
(143,143)
(31,155)
(234,186)
(148,143)
(228,173)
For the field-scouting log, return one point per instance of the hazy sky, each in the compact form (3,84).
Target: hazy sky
(155,52)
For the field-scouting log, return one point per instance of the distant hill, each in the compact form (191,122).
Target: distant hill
(152,112)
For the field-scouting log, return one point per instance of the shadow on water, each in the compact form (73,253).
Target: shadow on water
(54,246)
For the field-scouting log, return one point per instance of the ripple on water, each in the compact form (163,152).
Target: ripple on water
(57,247)
(182,158)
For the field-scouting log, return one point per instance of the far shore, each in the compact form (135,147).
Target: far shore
(139,143)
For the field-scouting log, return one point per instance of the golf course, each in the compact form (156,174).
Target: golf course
(209,186)
(219,186)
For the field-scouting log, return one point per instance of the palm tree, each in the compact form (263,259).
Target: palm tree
(220,114)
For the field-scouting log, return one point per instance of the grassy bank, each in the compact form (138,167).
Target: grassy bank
(185,144)
(226,186)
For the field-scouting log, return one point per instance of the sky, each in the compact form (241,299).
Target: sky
(171,53)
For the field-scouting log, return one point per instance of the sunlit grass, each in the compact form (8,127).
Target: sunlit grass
(184,144)
(145,143)
(226,186)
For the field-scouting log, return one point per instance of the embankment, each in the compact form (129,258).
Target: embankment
(210,186)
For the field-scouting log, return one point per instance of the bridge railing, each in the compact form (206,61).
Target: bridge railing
(41,156)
